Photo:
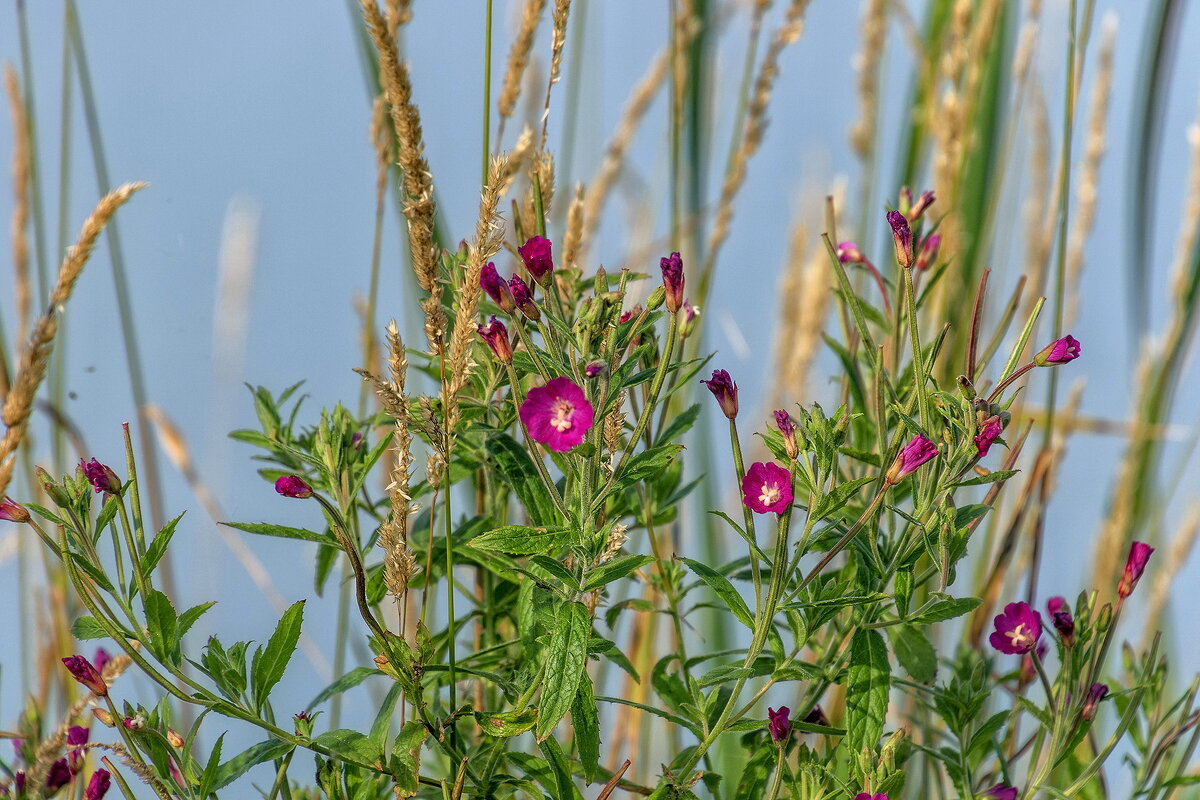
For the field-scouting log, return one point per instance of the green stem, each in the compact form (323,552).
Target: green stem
(487,91)
(918,359)
(739,466)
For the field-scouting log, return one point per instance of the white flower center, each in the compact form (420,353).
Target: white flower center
(561,413)
(1019,636)
(770,494)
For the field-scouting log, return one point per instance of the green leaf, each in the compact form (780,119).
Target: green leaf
(86,628)
(513,463)
(614,570)
(406,757)
(586,723)
(158,546)
(564,786)
(348,681)
(552,567)
(383,717)
(188,618)
(352,746)
(645,464)
(867,685)
(240,764)
(991,477)
(519,540)
(943,609)
(914,652)
(838,497)
(269,663)
(679,425)
(566,657)
(282,532)
(724,589)
(161,623)
(506,723)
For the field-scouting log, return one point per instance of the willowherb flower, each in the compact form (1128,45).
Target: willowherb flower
(595,369)
(136,723)
(901,238)
(817,717)
(1017,629)
(848,253)
(869,796)
(98,786)
(687,324)
(1028,671)
(82,670)
(536,253)
(102,478)
(778,723)
(523,297)
(1096,693)
(918,451)
(495,287)
(767,488)
(672,275)
(788,430)
(1060,351)
(496,337)
(59,776)
(77,735)
(558,414)
(1001,792)
(1064,623)
(917,209)
(1056,604)
(989,432)
(725,390)
(13,511)
(101,659)
(928,253)
(1135,565)
(293,486)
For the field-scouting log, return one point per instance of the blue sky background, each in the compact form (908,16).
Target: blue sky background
(222,105)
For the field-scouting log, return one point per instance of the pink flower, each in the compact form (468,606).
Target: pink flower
(869,796)
(1001,792)
(767,488)
(491,282)
(293,486)
(918,451)
(989,432)
(918,208)
(13,511)
(523,298)
(725,390)
(1060,351)
(76,736)
(1056,604)
(1017,629)
(101,659)
(929,251)
(817,717)
(496,336)
(1096,693)
(558,414)
(82,670)
(536,253)
(687,322)
(672,275)
(98,785)
(102,478)
(778,723)
(59,776)
(595,369)
(1135,565)
(901,238)
(788,431)
(848,253)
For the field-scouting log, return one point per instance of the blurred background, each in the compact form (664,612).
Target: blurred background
(248,256)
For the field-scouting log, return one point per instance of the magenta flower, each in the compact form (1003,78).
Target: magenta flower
(869,796)
(901,238)
(848,253)
(523,298)
(77,735)
(293,486)
(672,275)
(929,251)
(1064,623)
(558,414)
(1096,693)
(626,316)
(989,432)
(788,430)
(491,282)
(1056,604)
(496,336)
(918,208)
(536,253)
(13,511)
(725,390)
(778,723)
(1017,629)
(82,670)
(101,659)
(687,323)
(1001,792)
(817,717)
(767,488)
(102,478)
(1060,351)
(595,369)
(59,776)
(1135,565)
(98,786)
(918,451)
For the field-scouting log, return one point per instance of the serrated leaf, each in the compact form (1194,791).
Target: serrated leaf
(645,464)
(991,477)
(348,681)
(724,589)
(614,570)
(161,622)
(515,467)
(940,610)
(867,684)
(566,656)
(240,764)
(406,757)
(680,424)
(585,721)
(158,546)
(86,628)
(914,652)
(521,540)
(838,497)
(351,746)
(269,663)
(506,723)
(281,532)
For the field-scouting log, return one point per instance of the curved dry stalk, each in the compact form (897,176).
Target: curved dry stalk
(22,287)
(518,60)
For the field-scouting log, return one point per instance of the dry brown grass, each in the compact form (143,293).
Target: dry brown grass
(518,59)
(22,286)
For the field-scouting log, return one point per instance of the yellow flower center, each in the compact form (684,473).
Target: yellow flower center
(561,412)
(770,494)
(1020,636)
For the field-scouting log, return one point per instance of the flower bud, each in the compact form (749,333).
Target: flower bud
(293,486)
(848,253)
(104,717)
(523,298)
(52,488)
(918,451)
(656,299)
(82,670)
(817,717)
(788,430)
(725,390)
(136,723)
(920,206)
(1096,693)
(1060,351)
(672,275)
(901,238)
(496,337)
(536,253)
(304,723)
(174,739)
(989,432)
(1135,565)
(1064,623)
(13,511)
(102,478)
(687,323)
(778,723)
(595,369)
(929,251)
(98,785)
(495,287)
